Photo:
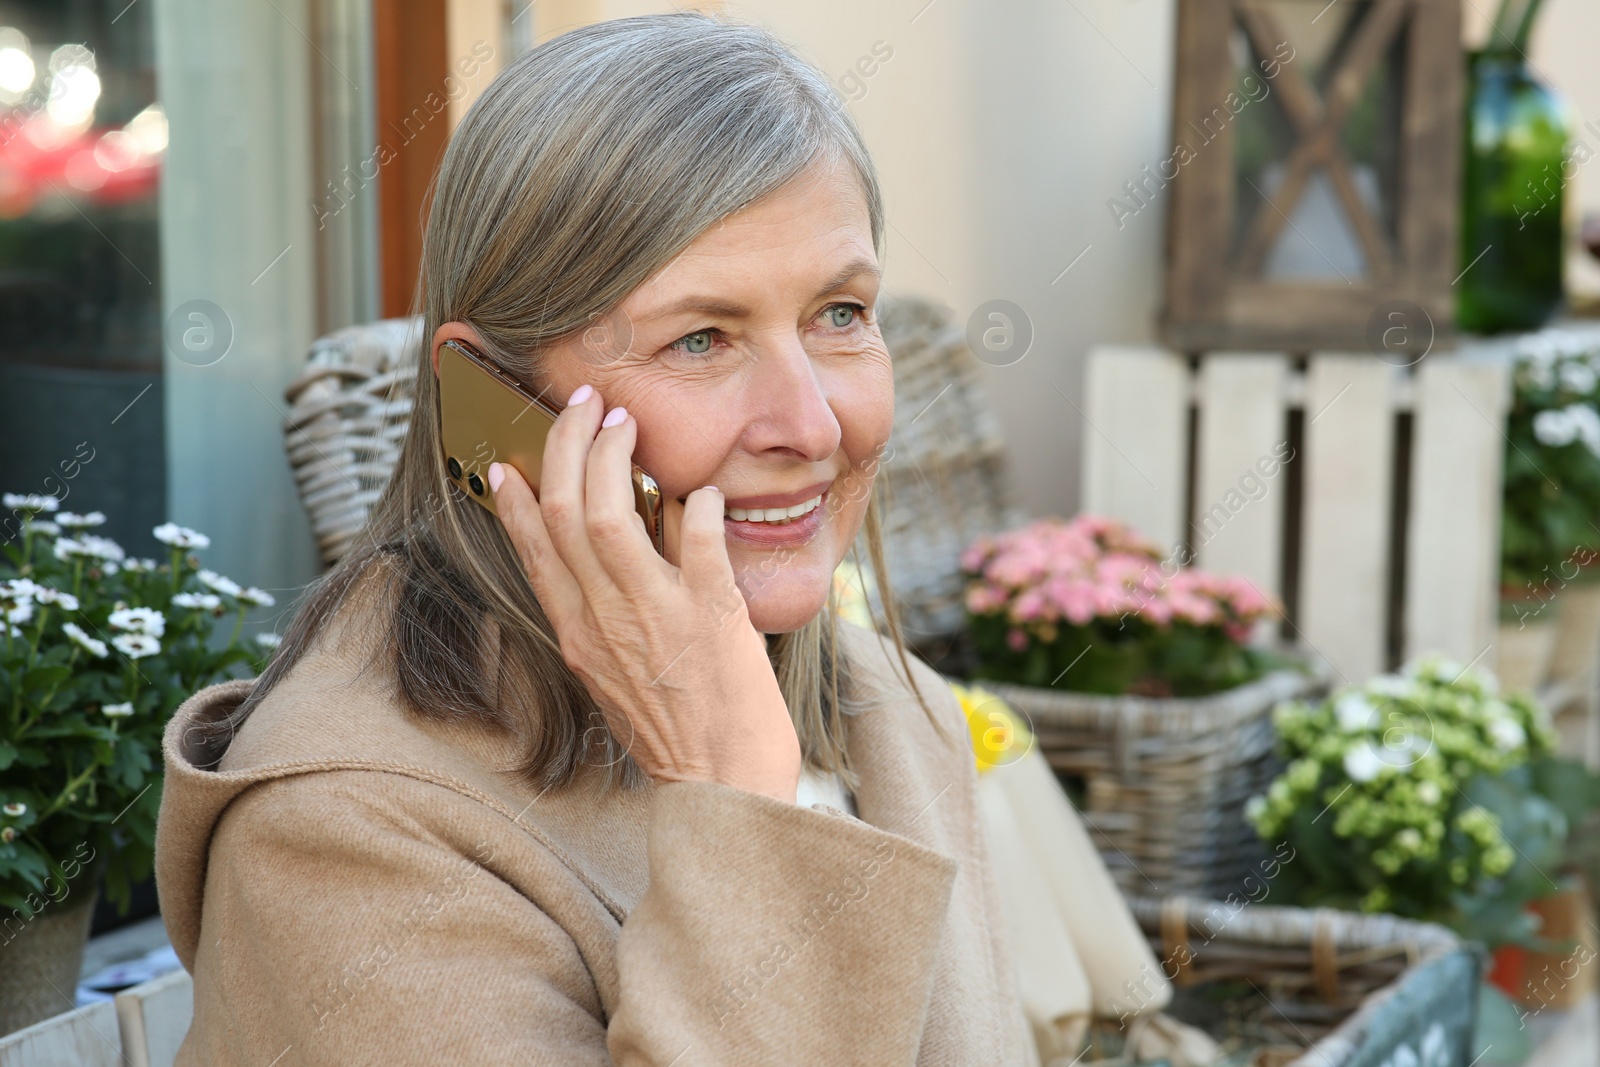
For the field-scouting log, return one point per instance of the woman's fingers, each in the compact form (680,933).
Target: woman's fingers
(553,584)
(618,535)
(563,490)
(704,553)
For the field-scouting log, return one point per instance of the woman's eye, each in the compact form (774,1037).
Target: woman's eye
(697,343)
(850,310)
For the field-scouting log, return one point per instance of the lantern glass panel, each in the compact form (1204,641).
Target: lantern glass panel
(1301,214)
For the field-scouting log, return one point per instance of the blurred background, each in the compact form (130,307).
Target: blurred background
(156,155)
(1148,263)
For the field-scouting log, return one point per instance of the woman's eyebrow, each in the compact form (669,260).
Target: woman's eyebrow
(708,305)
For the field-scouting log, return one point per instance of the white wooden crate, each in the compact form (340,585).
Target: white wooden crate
(1175,446)
(142,1027)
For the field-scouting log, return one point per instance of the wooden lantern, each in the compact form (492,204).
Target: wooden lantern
(1314,173)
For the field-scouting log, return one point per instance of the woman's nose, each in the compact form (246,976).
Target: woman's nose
(791,409)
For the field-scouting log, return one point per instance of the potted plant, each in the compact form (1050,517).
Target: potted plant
(1431,795)
(96,652)
(1143,688)
(1550,595)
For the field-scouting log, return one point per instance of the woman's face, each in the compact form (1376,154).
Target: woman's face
(753,362)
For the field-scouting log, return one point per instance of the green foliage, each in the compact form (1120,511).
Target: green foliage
(1426,794)
(1112,656)
(1551,495)
(96,652)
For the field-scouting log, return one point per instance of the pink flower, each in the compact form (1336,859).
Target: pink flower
(1017,640)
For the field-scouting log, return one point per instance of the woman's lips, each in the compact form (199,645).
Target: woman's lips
(770,534)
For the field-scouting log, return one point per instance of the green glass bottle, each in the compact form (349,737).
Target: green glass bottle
(1517,132)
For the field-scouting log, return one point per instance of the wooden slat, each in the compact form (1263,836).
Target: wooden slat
(1453,541)
(1349,469)
(85,1037)
(1135,441)
(1237,528)
(154,1018)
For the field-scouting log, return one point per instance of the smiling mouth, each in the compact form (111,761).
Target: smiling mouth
(774,516)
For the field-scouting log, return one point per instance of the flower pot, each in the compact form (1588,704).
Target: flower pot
(1524,645)
(39,965)
(1165,780)
(1561,979)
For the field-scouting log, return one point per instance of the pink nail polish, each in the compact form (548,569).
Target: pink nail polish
(614,417)
(580,394)
(497,475)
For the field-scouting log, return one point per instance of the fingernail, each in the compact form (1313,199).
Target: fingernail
(614,416)
(580,394)
(496,476)
(713,488)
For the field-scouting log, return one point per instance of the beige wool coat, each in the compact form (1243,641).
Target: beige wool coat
(350,885)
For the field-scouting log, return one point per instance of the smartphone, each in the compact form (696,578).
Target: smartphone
(487,417)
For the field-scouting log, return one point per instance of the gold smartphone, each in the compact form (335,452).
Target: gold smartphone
(487,417)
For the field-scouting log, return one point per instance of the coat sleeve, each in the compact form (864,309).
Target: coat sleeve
(346,921)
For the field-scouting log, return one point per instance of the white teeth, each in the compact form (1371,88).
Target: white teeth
(773,515)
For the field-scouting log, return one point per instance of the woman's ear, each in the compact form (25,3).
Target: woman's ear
(454,331)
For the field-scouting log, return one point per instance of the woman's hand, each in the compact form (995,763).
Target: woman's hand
(668,652)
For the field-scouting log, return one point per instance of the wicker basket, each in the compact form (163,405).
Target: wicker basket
(348,412)
(941,477)
(1349,990)
(1164,781)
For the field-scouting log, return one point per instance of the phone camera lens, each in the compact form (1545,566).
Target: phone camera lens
(455,467)
(476,483)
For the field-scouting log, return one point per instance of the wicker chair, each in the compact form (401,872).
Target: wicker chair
(942,477)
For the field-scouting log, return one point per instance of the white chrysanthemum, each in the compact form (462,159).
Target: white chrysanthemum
(1554,428)
(93,646)
(1586,424)
(140,621)
(215,581)
(40,526)
(258,597)
(1577,376)
(198,601)
(19,589)
(136,646)
(140,565)
(1354,713)
(88,546)
(50,595)
(19,611)
(74,521)
(269,640)
(1362,762)
(170,533)
(16,809)
(30,502)
(117,711)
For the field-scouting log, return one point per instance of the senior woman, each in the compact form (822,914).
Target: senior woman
(516,789)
